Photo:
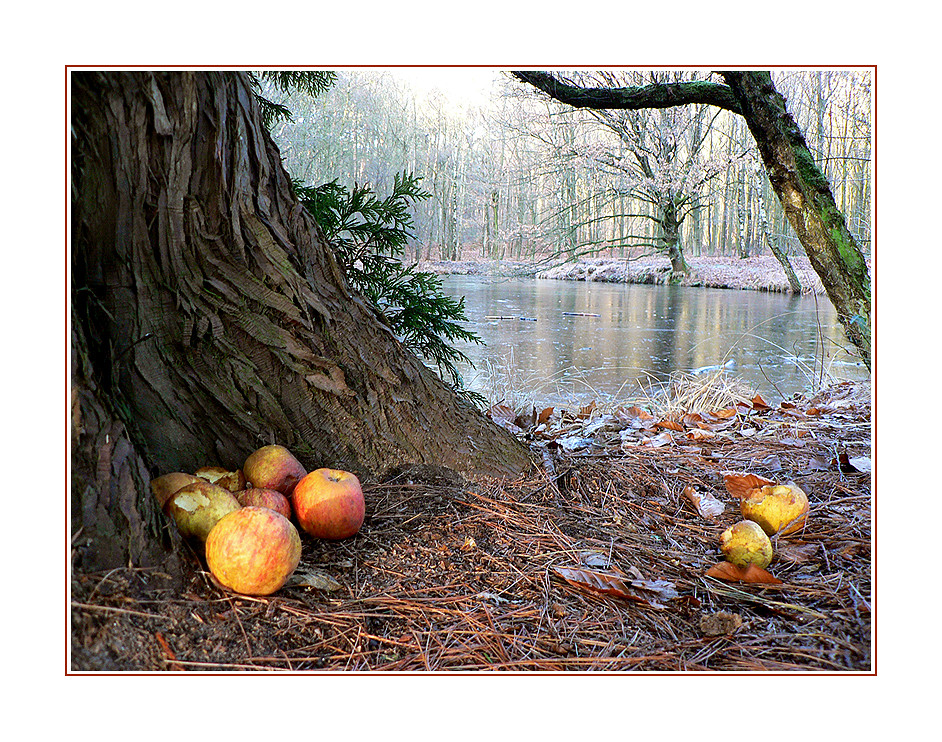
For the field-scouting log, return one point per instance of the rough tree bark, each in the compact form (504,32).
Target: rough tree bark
(799,184)
(210,317)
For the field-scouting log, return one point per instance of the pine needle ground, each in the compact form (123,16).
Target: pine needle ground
(453,576)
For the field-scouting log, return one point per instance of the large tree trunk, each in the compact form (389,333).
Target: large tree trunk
(802,188)
(213,317)
(808,203)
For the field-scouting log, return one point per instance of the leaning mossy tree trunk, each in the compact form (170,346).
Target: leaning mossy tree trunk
(211,317)
(799,184)
(808,203)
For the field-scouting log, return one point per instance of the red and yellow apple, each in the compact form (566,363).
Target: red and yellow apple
(234,481)
(197,507)
(328,503)
(273,468)
(166,486)
(253,550)
(258,497)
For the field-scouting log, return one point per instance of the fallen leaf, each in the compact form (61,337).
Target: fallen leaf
(750,573)
(861,463)
(545,415)
(698,434)
(313,578)
(740,484)
(503,416)
(706,504)
(641,591)
(725,413)
(661,439)
(760,404)
(670,425)
(587,411)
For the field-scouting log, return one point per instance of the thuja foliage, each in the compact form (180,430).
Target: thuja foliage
(368,235)
(310,82)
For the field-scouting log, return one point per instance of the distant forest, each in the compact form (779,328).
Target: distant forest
(524,177)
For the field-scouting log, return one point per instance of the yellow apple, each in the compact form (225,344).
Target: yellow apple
(263,498)
(273,468)
(745,543)
(197,507)
(253,550)
(166,486)
(328,503)
(780,509)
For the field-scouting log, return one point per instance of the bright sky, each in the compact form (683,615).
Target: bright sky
(463,86)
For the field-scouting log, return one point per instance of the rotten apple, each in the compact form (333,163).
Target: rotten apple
(197,507)
(328,503)
(253,550)
(273,467)
(780,509)
(166,486)
(234,481)
(745,543)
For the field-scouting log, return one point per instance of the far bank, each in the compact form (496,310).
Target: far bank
(762,273)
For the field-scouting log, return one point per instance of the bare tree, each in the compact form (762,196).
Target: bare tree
(798,182)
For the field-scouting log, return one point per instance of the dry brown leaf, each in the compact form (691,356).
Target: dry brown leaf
(545,415)
(313,578)
(697,434)
(760,404)
(670,425)
(750,573)
(705,503)
(740,484)
(661,439)
(641,591)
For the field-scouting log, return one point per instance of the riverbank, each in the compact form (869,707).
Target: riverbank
(763,273)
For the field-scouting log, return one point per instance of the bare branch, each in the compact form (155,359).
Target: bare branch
(666,95)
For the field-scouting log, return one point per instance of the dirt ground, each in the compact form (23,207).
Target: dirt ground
(597,563)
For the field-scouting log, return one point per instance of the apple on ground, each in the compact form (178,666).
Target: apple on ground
(328,503)
(263,498)
(780,509)
(273,467)
(745,543)
(234,481)
(197,507)
(253,550)
(166,486)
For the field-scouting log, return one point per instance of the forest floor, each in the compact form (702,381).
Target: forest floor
(603,559)
(762,273)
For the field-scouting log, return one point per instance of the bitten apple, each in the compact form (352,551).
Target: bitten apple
(197,507)
(328,503)
(273,468)
(166,486)
(265,499)
(234,481)
(780,509)
(253,551)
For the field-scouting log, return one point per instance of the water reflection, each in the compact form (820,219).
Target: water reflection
(647,332)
